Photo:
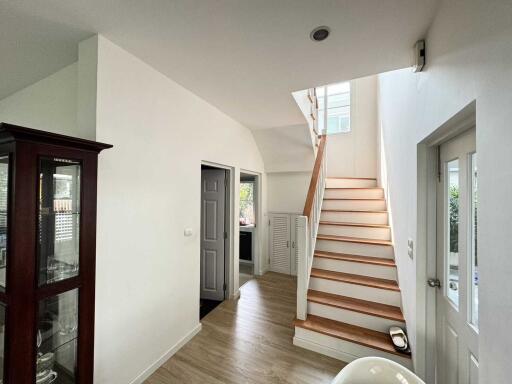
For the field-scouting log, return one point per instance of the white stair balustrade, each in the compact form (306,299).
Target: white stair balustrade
(307,229)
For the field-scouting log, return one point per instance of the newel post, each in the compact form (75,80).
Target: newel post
(302,267)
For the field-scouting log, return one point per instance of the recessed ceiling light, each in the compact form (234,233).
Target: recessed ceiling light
(320,33)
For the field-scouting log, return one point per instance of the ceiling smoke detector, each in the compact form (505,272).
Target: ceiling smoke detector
(320,33)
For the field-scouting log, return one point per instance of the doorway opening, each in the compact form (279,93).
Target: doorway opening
(248,219)
(215,237)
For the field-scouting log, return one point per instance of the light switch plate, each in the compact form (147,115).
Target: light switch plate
(410,248)
(187,232)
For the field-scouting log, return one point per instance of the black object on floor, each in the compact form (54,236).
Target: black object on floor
(206,306)
(399,339)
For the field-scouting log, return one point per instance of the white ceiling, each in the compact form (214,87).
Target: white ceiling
(243,56)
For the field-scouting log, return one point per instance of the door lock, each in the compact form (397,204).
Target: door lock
(433,282)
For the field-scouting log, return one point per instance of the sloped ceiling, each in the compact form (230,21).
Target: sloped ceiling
(243,56)
(286,149)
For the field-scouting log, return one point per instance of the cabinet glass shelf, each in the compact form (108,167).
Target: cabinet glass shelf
(59,219)
(57,338)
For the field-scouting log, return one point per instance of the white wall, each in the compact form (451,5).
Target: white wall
(49,104)
(469,56)
(305,106)
(287,191)
(286,149)
(64,102)
(354,154)
(149,191)
(87,92)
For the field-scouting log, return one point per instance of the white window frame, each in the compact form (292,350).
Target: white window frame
(323,130)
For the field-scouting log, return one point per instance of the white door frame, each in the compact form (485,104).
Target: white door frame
(257,234)
(232,245)
(229,222)
(426,237)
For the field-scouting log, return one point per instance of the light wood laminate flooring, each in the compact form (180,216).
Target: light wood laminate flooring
(249,340)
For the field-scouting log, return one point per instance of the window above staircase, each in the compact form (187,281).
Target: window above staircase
(334,108)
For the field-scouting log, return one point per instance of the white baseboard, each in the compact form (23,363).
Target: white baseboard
(166,356)
(236,295)
(324,350)
(263,270)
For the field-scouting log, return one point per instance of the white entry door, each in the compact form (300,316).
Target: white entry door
(213,196)
(457,262)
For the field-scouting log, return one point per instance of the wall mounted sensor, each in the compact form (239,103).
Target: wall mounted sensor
(419,55)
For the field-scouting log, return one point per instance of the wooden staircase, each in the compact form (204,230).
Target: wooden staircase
(353,295)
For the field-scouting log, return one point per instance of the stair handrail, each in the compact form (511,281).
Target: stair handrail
(307,228)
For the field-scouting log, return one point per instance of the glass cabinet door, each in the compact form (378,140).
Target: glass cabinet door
(2,342)
(4,194)
(59,219)
(57,339)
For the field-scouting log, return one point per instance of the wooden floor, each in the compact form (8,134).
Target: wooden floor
(249,341)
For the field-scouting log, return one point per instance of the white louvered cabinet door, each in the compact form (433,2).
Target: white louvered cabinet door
(280,243)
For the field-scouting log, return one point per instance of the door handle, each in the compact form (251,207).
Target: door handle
(287,244)
(293,244)
(434,282)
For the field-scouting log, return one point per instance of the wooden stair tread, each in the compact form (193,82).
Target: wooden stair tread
(359,240)
(351,178)
(351,333)
(357,305)
(367,281)
(355,199)
(356,258)
(345,224)
(371,188)
(352,210)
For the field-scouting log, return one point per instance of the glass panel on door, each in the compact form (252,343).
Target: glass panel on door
(57,338)
(452,251)
(4,194)
(2,341)
(59,220)
(474,249)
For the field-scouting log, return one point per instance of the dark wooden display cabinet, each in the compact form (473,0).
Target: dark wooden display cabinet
(47,256)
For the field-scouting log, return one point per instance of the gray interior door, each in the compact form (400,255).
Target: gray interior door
(213,195)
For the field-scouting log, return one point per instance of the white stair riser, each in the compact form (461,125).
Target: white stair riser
(349,183)
(374,193)
(356,217)
(371,270)
(362,292)
(360,249)
(355,205)
(377,233)
(355,318)
(340,349)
